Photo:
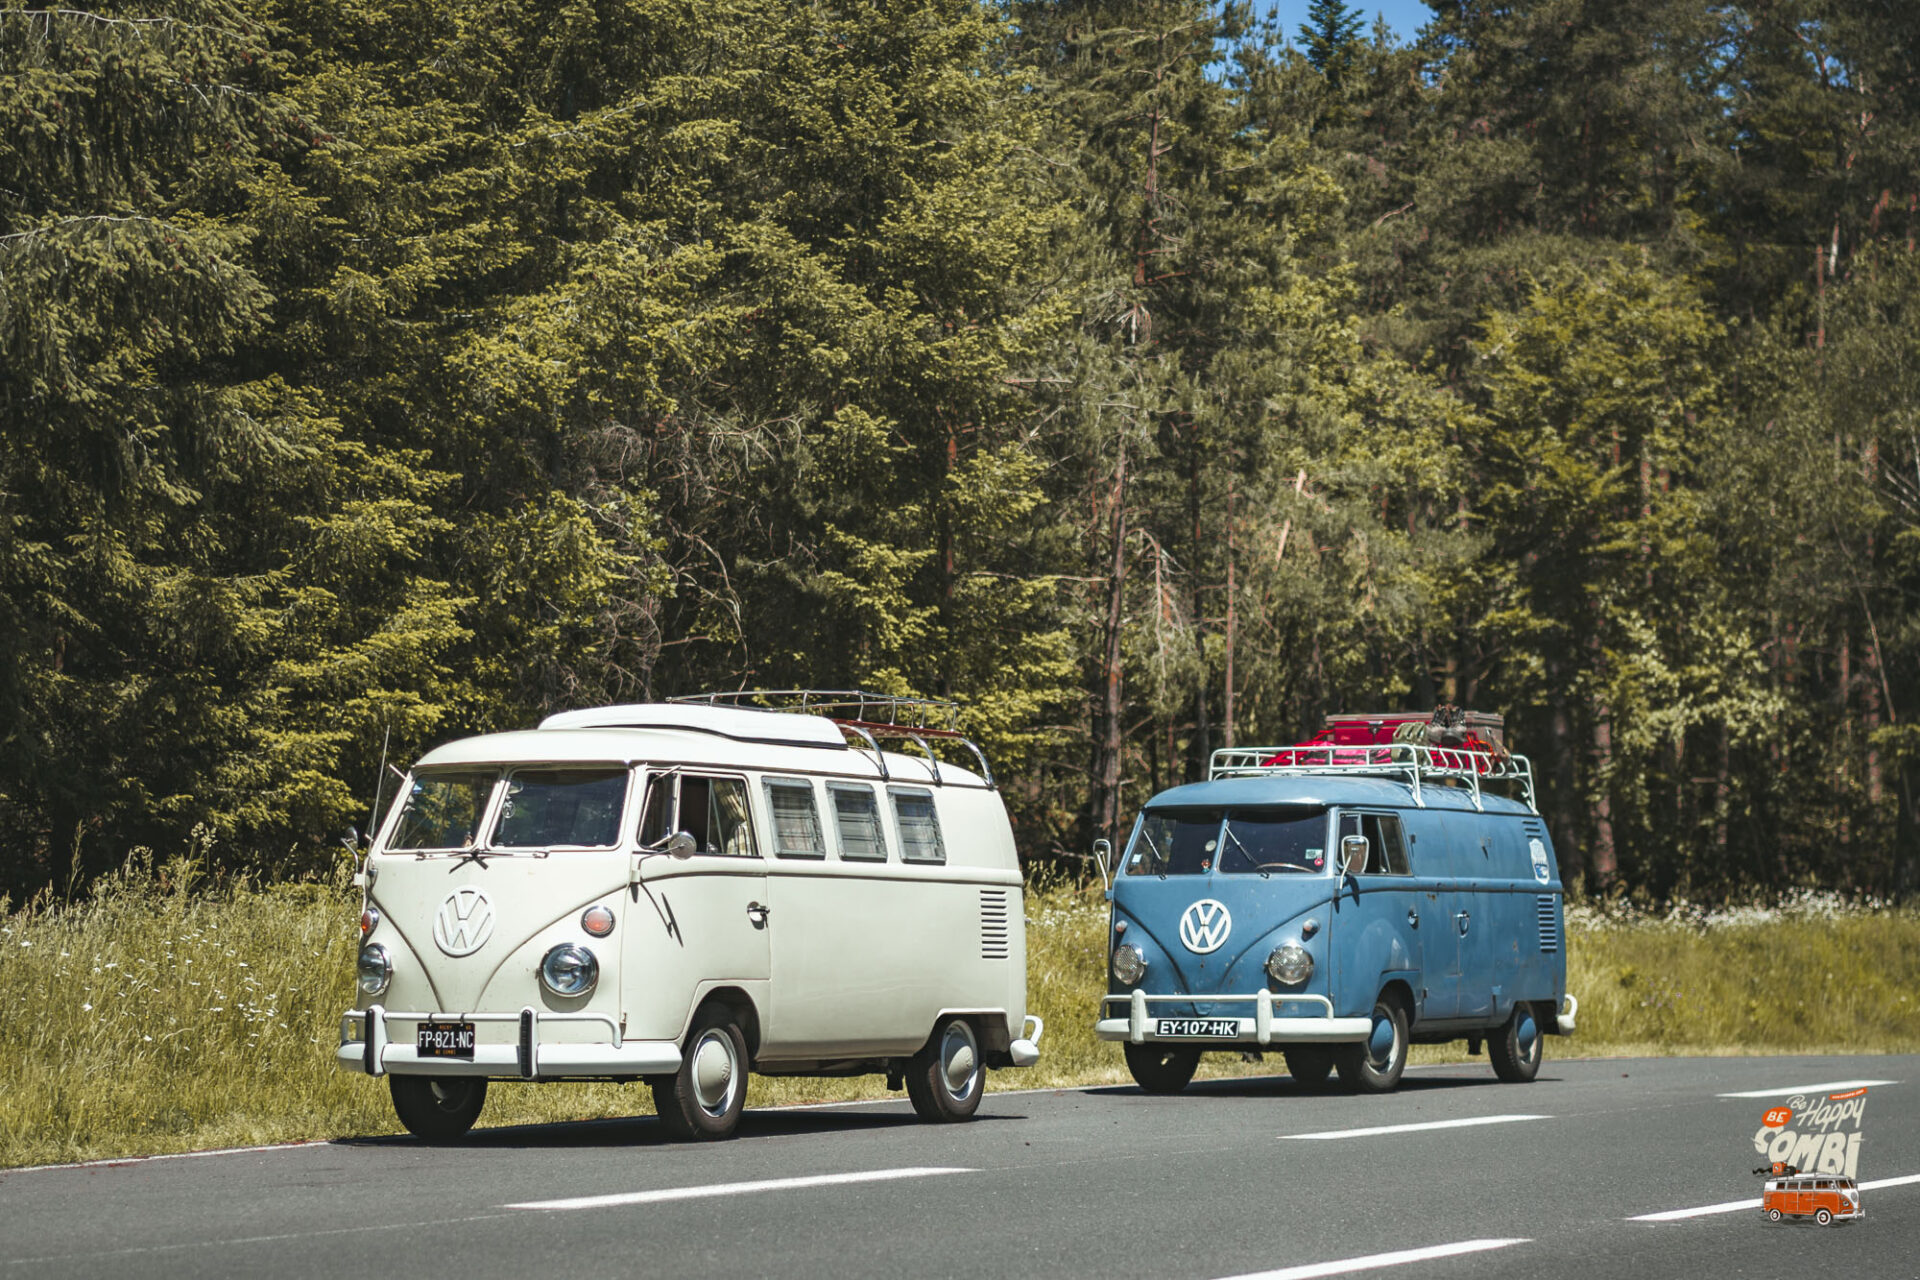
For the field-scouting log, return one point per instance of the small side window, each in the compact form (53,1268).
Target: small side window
(1388,853)
(919,826)
(796,821)
(856,816)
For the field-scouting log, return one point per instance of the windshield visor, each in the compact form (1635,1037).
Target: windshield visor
(443,811)
(562,808)
(1191,842)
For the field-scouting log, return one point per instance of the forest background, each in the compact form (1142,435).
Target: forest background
(1143,375)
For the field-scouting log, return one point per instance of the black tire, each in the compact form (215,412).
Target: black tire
(1824,1218)
(1375,1064)
(437,1108)
(1517,1047)
(1773,1215)
(946,1079)
(1159,1068)
(1309,1065)
(702,1101)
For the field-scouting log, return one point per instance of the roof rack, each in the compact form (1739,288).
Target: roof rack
(1414,764)
(862,715)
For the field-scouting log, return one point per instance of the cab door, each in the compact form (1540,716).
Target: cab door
(1376,914)
(699,921)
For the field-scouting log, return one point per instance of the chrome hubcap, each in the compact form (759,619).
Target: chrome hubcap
(713,1072)
(959,1059)
(1380,1044)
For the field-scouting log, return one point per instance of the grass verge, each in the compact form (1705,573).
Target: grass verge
(161,1015)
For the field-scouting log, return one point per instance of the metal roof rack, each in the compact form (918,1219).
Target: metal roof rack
(862,715)
(1412,763)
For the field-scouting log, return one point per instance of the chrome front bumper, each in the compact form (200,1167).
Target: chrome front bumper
(1264,1027)
(367,1047)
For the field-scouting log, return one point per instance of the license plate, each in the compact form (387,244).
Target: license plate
(446,1040)
(1202,1028)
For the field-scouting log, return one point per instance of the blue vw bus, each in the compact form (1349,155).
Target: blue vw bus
(1338,903)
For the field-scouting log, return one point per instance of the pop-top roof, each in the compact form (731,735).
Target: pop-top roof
(745,724)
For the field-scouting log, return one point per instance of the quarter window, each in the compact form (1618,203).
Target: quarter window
(856,816)
(796,821)
(919,826)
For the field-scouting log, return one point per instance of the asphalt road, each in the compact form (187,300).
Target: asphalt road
(1534,1180)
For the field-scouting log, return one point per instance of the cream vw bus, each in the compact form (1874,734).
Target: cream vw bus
(684,892)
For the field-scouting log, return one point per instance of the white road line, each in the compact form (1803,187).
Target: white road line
(1406,1128)
(1735,1206)
(311,1144)
(1374,1261)
(1830,1086)
(734,1188)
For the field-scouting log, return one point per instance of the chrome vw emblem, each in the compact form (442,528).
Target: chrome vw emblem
(465,922)
(1204,926)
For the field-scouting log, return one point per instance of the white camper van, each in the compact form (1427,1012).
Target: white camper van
(684,892)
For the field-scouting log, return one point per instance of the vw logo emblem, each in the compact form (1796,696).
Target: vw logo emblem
(464,922)
(1204,926)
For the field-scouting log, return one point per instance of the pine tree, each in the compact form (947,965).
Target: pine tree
(1331,35)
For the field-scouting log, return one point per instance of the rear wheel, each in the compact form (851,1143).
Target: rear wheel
(1517,1047)
(945,1079)
(1158,1068)
(702,1101)
(1374,1065)
(437,1109)
(1309,1066)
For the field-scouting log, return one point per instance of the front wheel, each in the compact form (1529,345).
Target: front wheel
(1375,1064)
(1773,1215)
(1517,1047)
(1159,1069)
(437,1109)
(703,1100)
(946,1078)
(1309,1066)
(1824,1218)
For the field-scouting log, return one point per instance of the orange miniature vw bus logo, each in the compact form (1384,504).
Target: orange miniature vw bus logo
(1204,926)
(464,922)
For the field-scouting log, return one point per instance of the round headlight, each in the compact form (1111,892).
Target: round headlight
(597,920)
(376,971)
(1128,963)
(1290,965)
(569,970)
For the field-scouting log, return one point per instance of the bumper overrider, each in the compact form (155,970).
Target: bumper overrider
(1265,1027)
(367,1045)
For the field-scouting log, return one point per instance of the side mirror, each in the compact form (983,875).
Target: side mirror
(681,845)
(1103,855)
(351,838)
(1353,854)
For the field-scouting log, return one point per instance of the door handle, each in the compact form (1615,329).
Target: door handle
(758,914)
(1463,917)
(1413,918)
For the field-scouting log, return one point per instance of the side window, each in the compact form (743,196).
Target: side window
(919,826)
(796,821)
(712,810)
(1387,848)
(856,816)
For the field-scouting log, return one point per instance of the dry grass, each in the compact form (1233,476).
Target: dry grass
(162,1016)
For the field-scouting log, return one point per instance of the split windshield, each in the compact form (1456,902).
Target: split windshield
(1276,840)
(443,811)
(574,808)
